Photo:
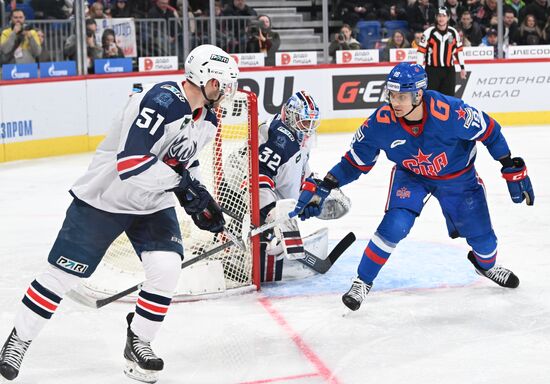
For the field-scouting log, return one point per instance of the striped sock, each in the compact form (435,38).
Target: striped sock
(486,261)
(375,256)
(150,312)
(41,300)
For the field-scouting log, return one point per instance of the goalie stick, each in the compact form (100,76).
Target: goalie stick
(322,266)
(98,303)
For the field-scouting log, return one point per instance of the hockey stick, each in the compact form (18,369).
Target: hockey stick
(322,266)
(98,303)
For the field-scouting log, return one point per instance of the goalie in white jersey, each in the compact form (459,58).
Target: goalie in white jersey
(150,152)
(285,145)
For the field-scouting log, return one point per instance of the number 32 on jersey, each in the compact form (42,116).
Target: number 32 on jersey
(271,159)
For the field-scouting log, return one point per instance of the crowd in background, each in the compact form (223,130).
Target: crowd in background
(526,22)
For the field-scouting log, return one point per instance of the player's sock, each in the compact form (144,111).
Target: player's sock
(375,256)
(498,274)
(11,355)
(141,362)
(150,311)
(356,294)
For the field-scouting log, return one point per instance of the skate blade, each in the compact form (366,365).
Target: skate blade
(133,371)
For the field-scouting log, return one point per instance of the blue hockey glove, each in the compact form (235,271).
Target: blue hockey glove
(519,184)
(312,197)
(192,195)
(210,219)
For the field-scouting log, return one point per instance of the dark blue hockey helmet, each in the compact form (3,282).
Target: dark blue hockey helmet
(407,77)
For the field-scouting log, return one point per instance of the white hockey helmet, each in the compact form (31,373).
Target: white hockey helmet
(301,114)
(207,62)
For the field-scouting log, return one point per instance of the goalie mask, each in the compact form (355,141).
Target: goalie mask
(301,114)
(208,62)
(406,78)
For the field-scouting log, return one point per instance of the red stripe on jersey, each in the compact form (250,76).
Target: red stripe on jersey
(362,168)
(40,300)
(489,130)
(391,186)
(266,179)
(131,163)
(374,257)
(421,49)
(151,307)
(434,52)
(450,175)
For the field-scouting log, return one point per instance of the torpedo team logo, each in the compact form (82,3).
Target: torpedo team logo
(422,165)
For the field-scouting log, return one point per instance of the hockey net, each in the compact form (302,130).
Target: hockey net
(229,170)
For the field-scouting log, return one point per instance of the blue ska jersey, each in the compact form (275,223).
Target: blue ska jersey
(132,168)
(441,147)
(283,162)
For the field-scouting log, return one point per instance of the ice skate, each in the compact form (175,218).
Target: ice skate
(356,294)
(141,362)
(12,355)
(500,275)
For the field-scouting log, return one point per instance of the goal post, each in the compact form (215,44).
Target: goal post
(229,169)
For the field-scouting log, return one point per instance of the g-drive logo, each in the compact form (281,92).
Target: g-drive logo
(108,69)
(19,75)
(71,265)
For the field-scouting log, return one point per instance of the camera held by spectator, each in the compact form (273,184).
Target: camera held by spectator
(262,39)
(343,41)
(19,43)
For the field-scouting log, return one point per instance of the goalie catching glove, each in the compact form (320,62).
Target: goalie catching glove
(514,172)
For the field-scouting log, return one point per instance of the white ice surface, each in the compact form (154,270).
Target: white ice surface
(429,319)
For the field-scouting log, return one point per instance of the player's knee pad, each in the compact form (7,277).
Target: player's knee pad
(484,244)
(57,280)
(396,224)
(162,271)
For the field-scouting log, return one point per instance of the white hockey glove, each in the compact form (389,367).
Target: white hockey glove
(335,206)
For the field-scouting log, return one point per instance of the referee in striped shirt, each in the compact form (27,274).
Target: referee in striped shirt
(439,47)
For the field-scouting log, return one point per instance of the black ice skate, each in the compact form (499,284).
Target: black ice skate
(141,362)
(500,275)
(12,355)
(356,294)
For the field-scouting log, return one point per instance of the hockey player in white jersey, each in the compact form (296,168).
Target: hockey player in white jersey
(285,144)
(150,152)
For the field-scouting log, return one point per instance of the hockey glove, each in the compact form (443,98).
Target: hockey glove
(519,184)
(313,195)
(210,219)
(192,195)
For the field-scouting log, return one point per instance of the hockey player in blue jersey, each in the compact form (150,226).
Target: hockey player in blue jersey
(431,138)
(149,154)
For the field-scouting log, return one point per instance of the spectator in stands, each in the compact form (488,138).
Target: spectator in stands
(398,40)
(343,41)
(108,43)
(49,9)
(464,39)
(263,39)
(121,8)
(539,9)
(470,28)
(529,32)
(417,38)
(474,6)
(162,10)
(19,43)
(45,55)
(546,31)
(393,12)
(510,28)
(352,11)
(456,9)
(239,8)
(491,40)
(516,6)
(93,50)
(487,15)
(96,11)
(421,15)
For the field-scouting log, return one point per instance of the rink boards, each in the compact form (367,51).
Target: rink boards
(53,117)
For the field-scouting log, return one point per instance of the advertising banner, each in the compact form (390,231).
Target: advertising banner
(159,63)
(102,66)
(528,51)
(57,69)
(478,53)
(403,54)
(249,59)
(125,33)
(295,58)
(357,56)
(19,71)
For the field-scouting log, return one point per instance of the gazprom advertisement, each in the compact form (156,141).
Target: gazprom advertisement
(102,66)
(19,71)
(57,69)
